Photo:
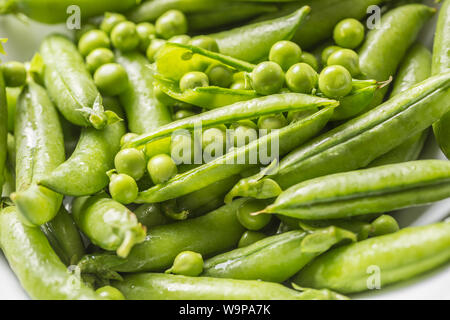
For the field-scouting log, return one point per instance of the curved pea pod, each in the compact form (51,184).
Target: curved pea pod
(243,110)
(63,235)
(108,224)
(210,234)
(395,257)
(57,11)
(70,85)
(441,63)
(39,149)
(154,286)
(373,190)
(40,271)
(210,97)
(385,47)
(144,112)
(275,258)
(3,128)
(253,42)
(239,159)
(358,142)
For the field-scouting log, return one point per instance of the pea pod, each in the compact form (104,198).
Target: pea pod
(56,11)
(358,142)
(385,46)
(373,190)
(70,84)
(253,42)
(154,286)
(238,160)
(39,149)
(261,260)
(34,262)
(12,94)
(210,234)
(395,257)
(84,173)
(3,128)
(144,112)
(108,224)
(441,64)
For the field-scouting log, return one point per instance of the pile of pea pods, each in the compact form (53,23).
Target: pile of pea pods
(206,150)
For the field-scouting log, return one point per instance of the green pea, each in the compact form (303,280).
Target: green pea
(243,135)
(124,36)
(335,82)
(310,59)
(146,32)
(285,53)
(126,138)
(239,76)
(84,28)
(192,80)
(99,57)
(220,76)
(181,39)
(131,162)
(187,263)
(347,58)
(250,237)
(349,33)
(250,221)
(327,52)
(161,168)
(213,143)
(267,78)
(182,149)
(14,73)
(181,114)
(206,43)
(123,188)
(272,122)
(110,20)
(171,23)
(154,48)
(110,293)
(111,79)
(384,224)
(150,215)
(92,40)
(302,78)
(241,85)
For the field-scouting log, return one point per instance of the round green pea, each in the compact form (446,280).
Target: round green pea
(124,36)
(285,53)
(130,161)
(110,293)
(171,23)
(146,32)
(127,137)
(123,188)
(84,28)
(241,85)
(349,33)
(182,148)
(192,80)
(213,142)
(187,263)
(271,122)
(335,82)
(98,58)
(181,114)
(153,49)
(347,58)
(111,79)
(250,237)
(92,40)
(302,78)
(250,221)
(384,224)
(244,134)
(110,20)
(206,43)
(14,74)
(161,168)
(181,39)
(310,59)
(267,78)
(327,52)
(220,76)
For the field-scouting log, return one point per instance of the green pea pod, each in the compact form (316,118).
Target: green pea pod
(353,104)
(243,110)
(358,142)
(441,64)
(39,149)
(253,42)
(108,224)
(71,86)
(84,173)
(210,234)
(63,235)
(261,260)
(385,46)
(12,94)
(373,190)
(3,128)
(56,11)
(387,259)
(40,271)
(144,112)
(238,160)
(154,286)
